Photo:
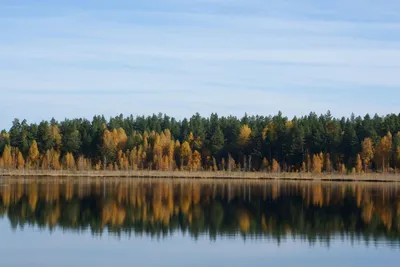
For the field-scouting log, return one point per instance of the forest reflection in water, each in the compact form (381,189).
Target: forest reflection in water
(311,211)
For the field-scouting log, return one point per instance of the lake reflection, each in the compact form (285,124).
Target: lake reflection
(312,212)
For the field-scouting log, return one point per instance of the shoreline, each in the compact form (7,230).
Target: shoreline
(209,175)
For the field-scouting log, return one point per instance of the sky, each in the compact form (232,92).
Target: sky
(68,59)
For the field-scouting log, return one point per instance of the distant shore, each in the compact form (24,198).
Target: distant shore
(370,177)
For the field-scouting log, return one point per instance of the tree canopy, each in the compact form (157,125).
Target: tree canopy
(312,143)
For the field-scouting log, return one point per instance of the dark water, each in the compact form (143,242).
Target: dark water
(197,223)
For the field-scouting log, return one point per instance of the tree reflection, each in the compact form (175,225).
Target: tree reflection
(312,211)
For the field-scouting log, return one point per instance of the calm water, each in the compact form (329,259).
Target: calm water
(193,223)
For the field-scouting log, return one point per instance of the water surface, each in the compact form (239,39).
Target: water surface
(145,222)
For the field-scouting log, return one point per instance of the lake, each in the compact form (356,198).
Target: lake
(163,222)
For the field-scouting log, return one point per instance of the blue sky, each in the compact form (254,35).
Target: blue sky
(81,58)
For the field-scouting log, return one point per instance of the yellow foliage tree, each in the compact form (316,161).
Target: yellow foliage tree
(69,161)
(54,157)
(384,151)
(275,166)
(195,163)
(367,152)
(112,142)
(317,164)
(33,155)
(133,156)
(171,153)
(20,160)
(185,154)
(244,135)
(56,136)
(121,139)
(342,169)
(7,157)
(157,152)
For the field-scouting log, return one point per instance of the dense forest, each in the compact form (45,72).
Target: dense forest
(313,211)
(252,143)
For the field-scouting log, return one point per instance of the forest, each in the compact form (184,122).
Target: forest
(312,144)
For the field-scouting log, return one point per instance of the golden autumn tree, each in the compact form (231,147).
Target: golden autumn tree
(185,154)
(55,159)
(112,142)
(384,151)
(367,153)
(20,160)
(195,163)
(275,166)
(7,157)
(56,136)
(133,156)
(271,130)
(342,168)
(317,164)
(190,140)
(244,135)
(82,163)
(69,161)
(171,154)
(121,139)
(33,155)
(157,152)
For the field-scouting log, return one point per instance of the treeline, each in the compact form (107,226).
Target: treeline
(253,143)
(310,210)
